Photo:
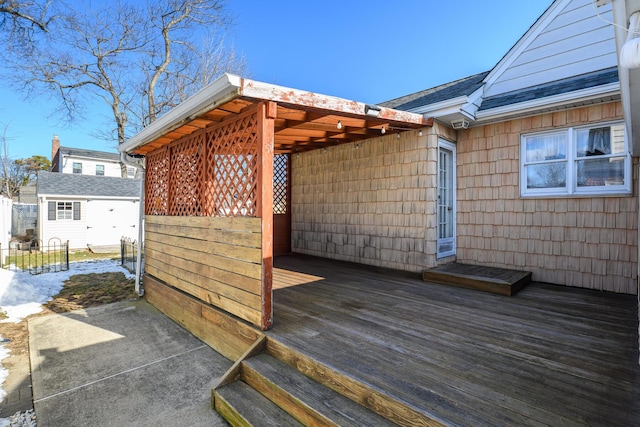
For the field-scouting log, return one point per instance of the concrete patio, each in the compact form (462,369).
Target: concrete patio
(121,364)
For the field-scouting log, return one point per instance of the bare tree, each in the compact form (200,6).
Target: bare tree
(20,17)
(139,59)
(11,172)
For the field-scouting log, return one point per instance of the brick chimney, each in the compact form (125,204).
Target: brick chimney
(55,146)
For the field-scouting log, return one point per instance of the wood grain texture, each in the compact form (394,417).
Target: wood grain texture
(228,336)
(551,355)
(216,260)
(489,279)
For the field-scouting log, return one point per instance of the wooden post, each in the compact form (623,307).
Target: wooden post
(266,114)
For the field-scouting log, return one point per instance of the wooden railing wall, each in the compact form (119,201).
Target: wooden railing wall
(217,260)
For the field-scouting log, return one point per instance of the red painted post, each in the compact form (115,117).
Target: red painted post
(266,114)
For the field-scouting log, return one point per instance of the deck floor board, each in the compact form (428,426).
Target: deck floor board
(549,355)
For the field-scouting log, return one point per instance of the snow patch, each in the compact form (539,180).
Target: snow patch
(22,294)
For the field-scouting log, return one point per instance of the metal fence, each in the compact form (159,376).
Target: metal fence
(129,253)
(36,258)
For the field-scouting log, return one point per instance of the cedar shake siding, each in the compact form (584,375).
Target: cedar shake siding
(586,241)
(373,202)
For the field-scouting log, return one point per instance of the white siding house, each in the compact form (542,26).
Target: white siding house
(81,161)
(568,40)
(87,210)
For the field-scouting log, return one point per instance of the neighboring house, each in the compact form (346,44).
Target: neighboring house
(27,195)
(528,166)
(87,210)
(81,161)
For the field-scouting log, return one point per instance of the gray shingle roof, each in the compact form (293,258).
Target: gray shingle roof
(451,90)
(81,152)
(584,81)
(86,185)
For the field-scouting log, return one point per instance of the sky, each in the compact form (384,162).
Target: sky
(22,294)
(368,51)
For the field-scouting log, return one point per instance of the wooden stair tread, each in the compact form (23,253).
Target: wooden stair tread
(240,405)
(313,402)
(489,279)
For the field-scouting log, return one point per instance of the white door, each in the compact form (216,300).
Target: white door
(110,220)
(446,199)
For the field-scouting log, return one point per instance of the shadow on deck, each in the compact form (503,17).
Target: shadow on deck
(419,353)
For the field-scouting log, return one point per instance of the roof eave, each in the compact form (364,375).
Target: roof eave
(442,108)
(549,102)
(224,89)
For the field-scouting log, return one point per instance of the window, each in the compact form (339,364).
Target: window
(100,170)
(131,172)
(585,160)
(63,211)
(77,167)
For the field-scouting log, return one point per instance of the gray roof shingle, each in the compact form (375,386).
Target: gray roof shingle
(451,90)
(583,81)
(86,185)
(468,85)
(81,152)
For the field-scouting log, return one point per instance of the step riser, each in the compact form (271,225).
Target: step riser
(385,406)
(494,280)
(285,400)
(228,412)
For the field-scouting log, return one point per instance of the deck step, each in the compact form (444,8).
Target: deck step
(308,401)
(489,279)
(374,399)
(240,405)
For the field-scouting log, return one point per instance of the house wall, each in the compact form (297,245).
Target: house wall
(588,242)
(102,222)
(373,202)
(74,231)
(573,42)
(89,166)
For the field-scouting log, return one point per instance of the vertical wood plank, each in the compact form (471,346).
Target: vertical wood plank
(266,115)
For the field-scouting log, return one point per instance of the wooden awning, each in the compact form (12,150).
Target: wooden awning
(304,120)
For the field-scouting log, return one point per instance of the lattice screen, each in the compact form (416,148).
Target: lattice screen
(209,173)
(186,168)
(232,168)
(280,183)
(157,183)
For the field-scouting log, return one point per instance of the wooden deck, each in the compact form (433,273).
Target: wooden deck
(550,355)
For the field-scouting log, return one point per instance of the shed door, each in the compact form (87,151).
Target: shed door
(446,199)
(110,220)
(281,204)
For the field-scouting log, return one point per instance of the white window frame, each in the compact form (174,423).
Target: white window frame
(64,210)
(100,170)
(73,168)
(571,161)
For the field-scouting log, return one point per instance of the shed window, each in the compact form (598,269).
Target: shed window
(575,161)
(66,211)
(77,167)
